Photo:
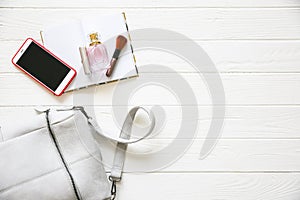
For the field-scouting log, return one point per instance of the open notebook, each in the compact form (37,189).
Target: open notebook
(64,40)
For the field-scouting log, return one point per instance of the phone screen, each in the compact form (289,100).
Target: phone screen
(43,66)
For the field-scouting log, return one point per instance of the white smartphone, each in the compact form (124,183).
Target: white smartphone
(43,66)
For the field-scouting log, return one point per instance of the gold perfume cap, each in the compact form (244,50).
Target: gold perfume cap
(94,39)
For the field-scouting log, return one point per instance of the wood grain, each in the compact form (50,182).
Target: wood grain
(241,122)
(240,89)
(210,186)
(232,155)
(254,45)
(259,155)
(148,3)
(218,24)
(228,56)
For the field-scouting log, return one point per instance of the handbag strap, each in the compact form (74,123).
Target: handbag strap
(125,133)
(122,141)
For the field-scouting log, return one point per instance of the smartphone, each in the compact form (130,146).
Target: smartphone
(43,66)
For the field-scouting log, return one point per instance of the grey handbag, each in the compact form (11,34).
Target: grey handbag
(55,157)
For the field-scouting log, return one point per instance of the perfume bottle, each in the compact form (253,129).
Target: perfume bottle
(97,54)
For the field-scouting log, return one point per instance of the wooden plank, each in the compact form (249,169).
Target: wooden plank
(149,3)
(228,56)
(217,24)
(255,155)
(226,186)
(253,122)
(240,89)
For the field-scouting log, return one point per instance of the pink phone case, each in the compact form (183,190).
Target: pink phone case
(36,78)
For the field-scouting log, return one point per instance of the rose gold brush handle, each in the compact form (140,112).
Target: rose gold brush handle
(111,68)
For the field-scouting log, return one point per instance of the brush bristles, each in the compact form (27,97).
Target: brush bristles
(120,42)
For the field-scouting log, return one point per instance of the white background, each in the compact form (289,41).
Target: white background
(255,46)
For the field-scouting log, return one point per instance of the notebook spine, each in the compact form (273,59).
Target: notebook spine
(130,42)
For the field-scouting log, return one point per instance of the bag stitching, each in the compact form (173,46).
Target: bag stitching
(59,153)
(45,174)
(35,129)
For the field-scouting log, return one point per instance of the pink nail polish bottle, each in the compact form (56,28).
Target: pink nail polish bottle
(97,54)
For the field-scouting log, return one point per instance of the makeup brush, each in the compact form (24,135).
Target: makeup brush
(120,43)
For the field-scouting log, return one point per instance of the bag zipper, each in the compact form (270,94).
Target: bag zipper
(61,156)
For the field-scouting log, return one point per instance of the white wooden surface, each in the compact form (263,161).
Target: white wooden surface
(255,46)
